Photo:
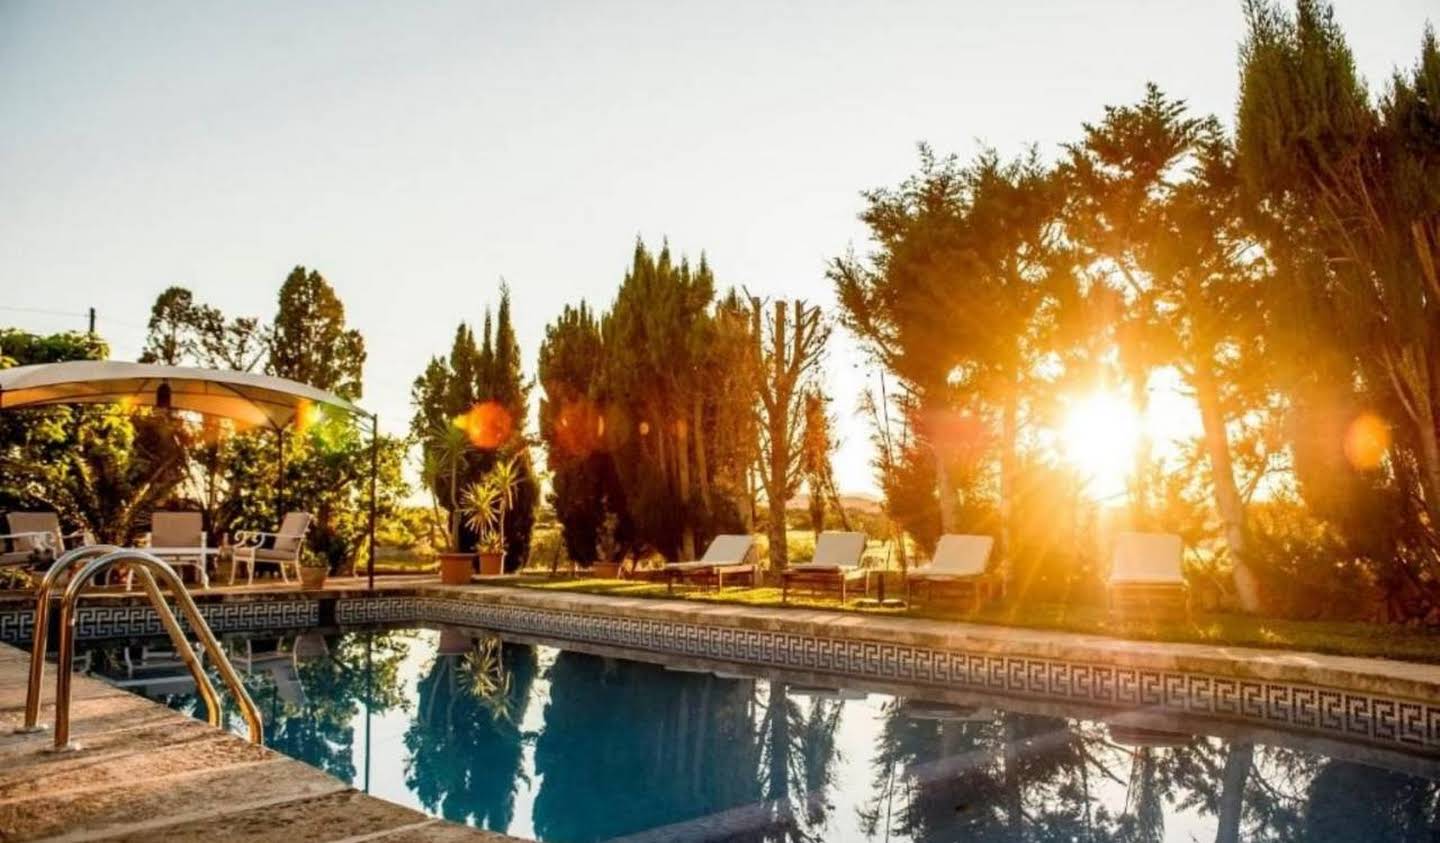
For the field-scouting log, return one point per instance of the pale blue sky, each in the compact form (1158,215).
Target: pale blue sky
(416,153)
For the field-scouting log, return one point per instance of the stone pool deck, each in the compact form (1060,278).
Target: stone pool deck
(146,772)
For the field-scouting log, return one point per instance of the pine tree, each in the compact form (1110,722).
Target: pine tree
(309,342)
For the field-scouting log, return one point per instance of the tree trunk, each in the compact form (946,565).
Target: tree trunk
(1009,479)
(1423,398)
(949,518)
(702,465)
(1232,793)
(749,505)
(1227,495)
(1140,481)
(775,492)
(682,462)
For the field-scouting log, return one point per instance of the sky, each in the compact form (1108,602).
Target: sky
(418,154)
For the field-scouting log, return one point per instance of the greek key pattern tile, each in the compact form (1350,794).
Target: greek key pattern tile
(16,625)
(1370,717)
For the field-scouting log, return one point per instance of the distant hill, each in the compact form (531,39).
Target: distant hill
(854,502)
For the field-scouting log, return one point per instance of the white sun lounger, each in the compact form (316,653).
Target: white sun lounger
(1146,570)
(836,563)
(732,554)
(960,561)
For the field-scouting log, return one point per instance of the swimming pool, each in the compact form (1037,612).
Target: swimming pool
(559,744)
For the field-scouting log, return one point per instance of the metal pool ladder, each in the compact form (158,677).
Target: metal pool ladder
(148,567)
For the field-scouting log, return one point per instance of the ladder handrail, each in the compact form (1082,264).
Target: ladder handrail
(40,631)
(147,566)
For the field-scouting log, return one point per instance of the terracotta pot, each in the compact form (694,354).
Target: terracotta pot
(606,570)
(312,578)
(456,568)
(455,641)
(492,563)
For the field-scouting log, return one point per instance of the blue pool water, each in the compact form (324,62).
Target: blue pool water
(559,745)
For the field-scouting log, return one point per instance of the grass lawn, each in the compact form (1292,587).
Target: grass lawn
(1349,639)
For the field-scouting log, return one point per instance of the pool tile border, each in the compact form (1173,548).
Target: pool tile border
(137,619)
(1372,717)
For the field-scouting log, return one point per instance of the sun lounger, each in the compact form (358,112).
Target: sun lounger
(836,564)
(960,563)
(1145,572)
(726,555)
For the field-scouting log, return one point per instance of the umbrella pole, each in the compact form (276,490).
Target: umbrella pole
(280,474)
(374,472)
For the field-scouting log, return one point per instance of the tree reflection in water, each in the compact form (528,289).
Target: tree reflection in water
(465,745)
(630,746)
(309,688)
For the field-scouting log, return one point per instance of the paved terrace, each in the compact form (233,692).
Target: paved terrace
(148,773)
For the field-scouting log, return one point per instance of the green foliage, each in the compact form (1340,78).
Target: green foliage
(1340,188)
(310,342)
(583,482)
(645,414)
(183,332)
(469,416)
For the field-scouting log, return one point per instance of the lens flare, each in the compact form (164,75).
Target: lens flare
(579,428)
(307,414)
(488,425)
(1367,439)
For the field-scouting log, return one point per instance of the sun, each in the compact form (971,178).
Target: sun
(1099,438)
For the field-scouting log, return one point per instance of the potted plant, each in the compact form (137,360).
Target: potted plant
(314,567)
(446,452)
(482,513)
(487,502)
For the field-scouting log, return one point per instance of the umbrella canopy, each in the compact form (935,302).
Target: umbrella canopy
(244,396)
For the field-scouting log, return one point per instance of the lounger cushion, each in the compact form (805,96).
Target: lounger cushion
(958,556)
(838,550)
(729,550)
(701,566)
(1147,558)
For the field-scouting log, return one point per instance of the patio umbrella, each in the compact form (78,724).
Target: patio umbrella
(259,400)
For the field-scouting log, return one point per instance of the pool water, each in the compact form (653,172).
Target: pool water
(559,745)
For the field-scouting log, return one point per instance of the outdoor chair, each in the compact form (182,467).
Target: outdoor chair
(960,563)
(34,539)
(171,533)
(836,564)
(726,555)
(281,548)
(1146,574)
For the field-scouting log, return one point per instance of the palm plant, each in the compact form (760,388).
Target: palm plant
(481,506)
(488,680)
(445,454)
